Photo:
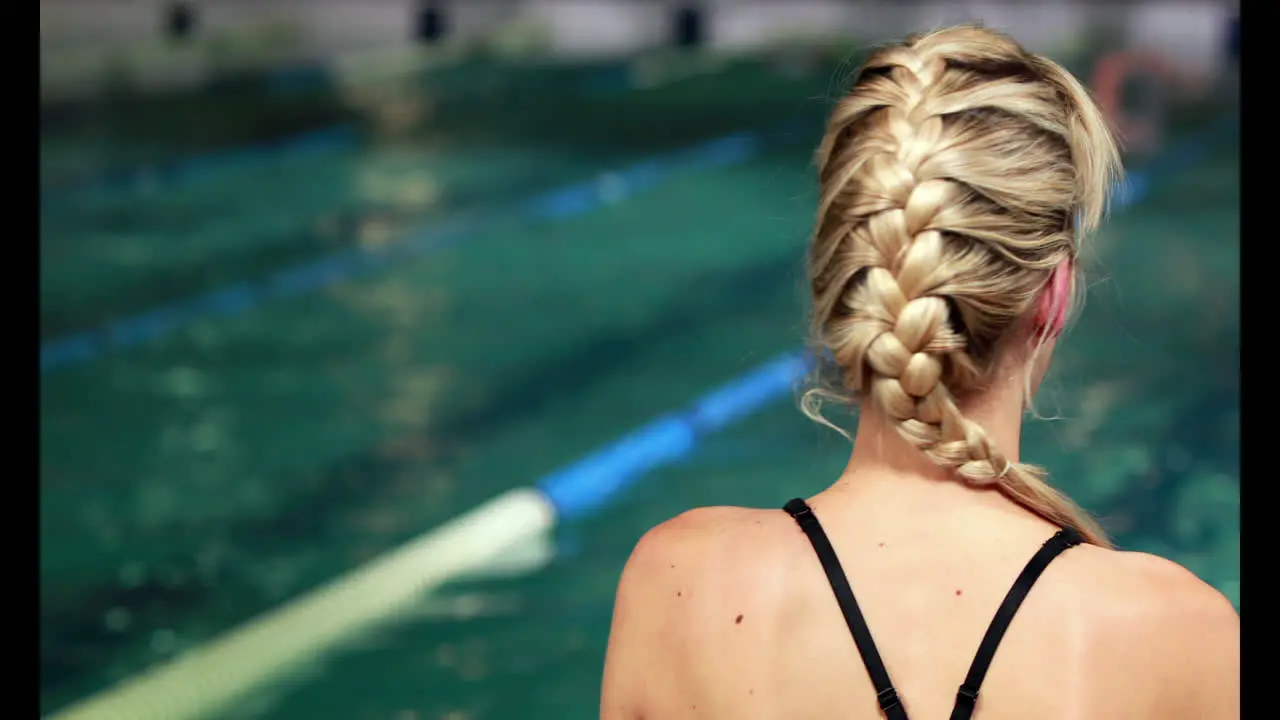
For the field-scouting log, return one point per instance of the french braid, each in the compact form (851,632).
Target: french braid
(955,175)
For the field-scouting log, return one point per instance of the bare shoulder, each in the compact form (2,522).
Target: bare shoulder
(696,560)
(1159,589)
(1182,604)
(677,571)
(1178,586)
(699,541)
(707,524)
(1155,617)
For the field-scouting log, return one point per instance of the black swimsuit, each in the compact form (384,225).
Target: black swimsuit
(967,698)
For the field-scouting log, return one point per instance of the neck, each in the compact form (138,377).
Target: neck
(880,452)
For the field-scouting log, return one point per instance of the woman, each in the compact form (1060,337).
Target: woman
(958,176)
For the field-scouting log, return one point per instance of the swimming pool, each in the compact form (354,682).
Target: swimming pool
(290,364)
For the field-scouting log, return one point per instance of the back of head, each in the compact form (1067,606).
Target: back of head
(956,174)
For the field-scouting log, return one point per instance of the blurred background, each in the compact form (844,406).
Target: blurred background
(319,276)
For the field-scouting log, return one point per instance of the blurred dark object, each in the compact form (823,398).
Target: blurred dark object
(1233,39)
(689,29)
(430,25)
(180,21)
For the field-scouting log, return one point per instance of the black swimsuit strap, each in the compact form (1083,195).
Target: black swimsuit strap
(967,697)
(885,693)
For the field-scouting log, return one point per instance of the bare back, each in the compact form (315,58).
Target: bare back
(726,613)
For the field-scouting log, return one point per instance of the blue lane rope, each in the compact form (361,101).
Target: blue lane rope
(313,275)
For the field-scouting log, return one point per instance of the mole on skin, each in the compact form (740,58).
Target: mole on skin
(738,621)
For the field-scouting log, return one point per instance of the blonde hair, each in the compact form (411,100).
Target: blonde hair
(956,174)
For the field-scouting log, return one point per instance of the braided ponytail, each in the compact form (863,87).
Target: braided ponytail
(953,176)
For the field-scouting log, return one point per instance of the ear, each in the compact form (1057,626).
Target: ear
(1054,303)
